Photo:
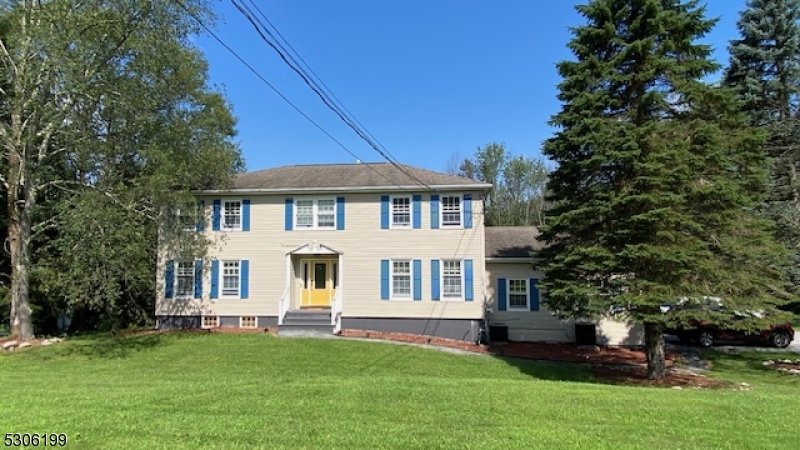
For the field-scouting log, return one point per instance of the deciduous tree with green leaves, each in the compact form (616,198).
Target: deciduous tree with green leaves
(764,71)
(108,122)
(655,173)
(517,197)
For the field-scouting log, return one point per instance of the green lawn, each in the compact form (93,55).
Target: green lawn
(256,391)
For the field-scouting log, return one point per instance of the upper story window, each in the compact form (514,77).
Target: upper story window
(232,215)
(315,213)
(451,211)
(401,212)
(452,279)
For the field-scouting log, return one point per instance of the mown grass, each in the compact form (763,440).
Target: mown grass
(256,391)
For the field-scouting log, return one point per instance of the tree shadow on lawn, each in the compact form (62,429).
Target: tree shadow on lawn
(550,370)
(112,346)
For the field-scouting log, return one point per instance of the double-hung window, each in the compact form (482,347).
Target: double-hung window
(231,278)
(232,215)
(518,294)
(305,213)
(452,279)
(315,213)
(401,279)
(326,213)
(451,211)
(401,212)
(184,280)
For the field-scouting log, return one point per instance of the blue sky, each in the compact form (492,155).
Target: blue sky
(428,78)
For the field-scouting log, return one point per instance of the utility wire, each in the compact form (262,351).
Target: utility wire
(317,77)
(261,29)
(283,97)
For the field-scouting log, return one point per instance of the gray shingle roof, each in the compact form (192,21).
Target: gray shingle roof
(342,176)
(512,242)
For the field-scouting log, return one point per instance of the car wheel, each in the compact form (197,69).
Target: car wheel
(780,339)
(705,338)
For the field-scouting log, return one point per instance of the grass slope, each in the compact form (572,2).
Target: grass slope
(255,391)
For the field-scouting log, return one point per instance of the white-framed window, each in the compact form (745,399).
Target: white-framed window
(517,293)
(187,221)
(231,278)
(401,212)
(232,215)
(451,211)
(315,213)
(326,213)
(401,280)
(184,279)
(452,279)
(210,322)
(248,322)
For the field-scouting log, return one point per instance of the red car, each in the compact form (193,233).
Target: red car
(706,334)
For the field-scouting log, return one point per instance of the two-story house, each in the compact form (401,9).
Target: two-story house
(356,246)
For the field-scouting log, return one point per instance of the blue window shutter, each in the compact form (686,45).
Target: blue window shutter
(288,214)
(467,205)
(215,213)
(198,278)
(417,279)
(200,224)
(340,213)
(501,294)
(435,280)
(169,279)
(384,212)
(468,289)
(533,301)
(416,211)
(246,214)
(384,279)
(244,275)
(215,279)
(434,211)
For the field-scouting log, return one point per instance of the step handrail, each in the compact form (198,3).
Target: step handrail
(336,312)
(283,306)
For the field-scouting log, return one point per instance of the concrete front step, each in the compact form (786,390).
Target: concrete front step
(305,331)
(306,323)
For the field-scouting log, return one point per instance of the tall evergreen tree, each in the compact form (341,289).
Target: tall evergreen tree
(655,172)
(765,72)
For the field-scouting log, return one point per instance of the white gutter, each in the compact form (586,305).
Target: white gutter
(412,188)
(516,259)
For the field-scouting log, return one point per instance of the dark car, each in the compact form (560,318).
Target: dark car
(706,334)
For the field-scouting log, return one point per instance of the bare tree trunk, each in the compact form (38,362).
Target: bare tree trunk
(19,234)
(656,354)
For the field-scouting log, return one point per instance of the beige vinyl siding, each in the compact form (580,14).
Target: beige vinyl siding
(363,245)
(524,325)
(618,332)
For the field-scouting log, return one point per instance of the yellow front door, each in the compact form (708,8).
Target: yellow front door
(318,283)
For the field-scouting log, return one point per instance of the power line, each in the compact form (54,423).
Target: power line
(274,89)
(261,29)
(296,108)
